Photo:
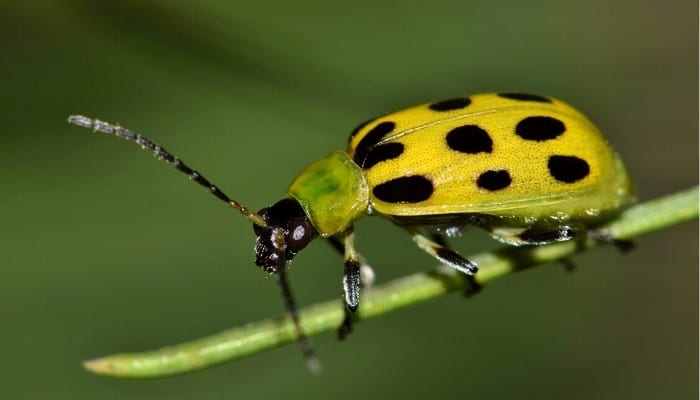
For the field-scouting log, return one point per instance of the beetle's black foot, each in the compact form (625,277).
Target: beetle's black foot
(623,245)
(568,264)
(346,327)
(472,287)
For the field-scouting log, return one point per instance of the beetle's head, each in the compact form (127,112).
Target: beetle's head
(288,230)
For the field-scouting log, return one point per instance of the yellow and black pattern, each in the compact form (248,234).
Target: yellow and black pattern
(502,153)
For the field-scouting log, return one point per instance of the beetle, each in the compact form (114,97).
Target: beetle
(529,169)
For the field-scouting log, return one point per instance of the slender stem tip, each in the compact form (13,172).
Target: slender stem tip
(98,366)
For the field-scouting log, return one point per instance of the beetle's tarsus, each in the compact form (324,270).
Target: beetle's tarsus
(604,236)
(346,327)
(568,264)
(624,245)
(472,287)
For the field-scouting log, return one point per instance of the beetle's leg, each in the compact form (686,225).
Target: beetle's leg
(439,238)
(351,281)
(534,236)
(366,272)
(444,254)
(568,264)
(537,236)
(472,287)
(337,244)
(604,236)
(306,348)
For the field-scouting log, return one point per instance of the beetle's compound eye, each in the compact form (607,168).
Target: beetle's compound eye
(300,234)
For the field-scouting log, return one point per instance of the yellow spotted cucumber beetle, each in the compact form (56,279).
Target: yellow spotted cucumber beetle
(529,169)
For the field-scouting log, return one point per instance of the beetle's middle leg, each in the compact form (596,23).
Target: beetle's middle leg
(437,247)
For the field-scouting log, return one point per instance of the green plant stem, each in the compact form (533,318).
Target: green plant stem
(323,317)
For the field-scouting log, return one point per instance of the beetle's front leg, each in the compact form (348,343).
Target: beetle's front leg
(351,281)
(367,275)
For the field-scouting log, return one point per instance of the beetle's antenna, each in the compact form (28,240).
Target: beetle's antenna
(145,143)
(307,350)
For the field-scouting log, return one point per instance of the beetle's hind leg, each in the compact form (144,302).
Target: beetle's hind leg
(601,235)
(537,236)
(540,236)
(545,235)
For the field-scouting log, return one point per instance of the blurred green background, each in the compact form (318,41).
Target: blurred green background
(105,250)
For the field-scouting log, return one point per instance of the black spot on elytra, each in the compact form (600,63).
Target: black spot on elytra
(371,139)
(539,128)
(525,97)
(357,129)
(451,104)
(568,169)
(494,180)
(381,153)
(469,139)
(407,189)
